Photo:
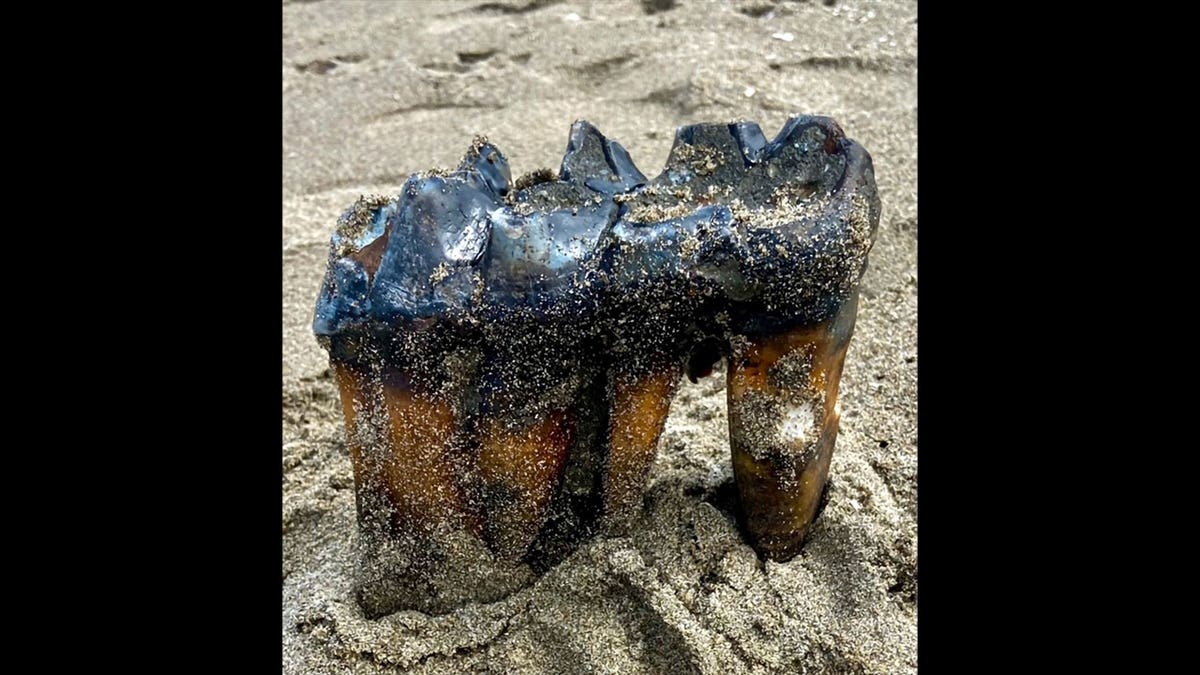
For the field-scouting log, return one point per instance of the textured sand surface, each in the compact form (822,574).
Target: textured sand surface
(374,91)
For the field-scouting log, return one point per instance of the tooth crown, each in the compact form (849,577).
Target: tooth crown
(541,330)
(780,227)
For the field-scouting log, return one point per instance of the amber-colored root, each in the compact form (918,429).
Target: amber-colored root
(404,470)
(360,406)
(639,411)
(422,472)
(521,470)
(783,422)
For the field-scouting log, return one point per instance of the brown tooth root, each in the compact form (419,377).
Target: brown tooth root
(783,421)
(639,411)
(361,407)
(419,468)
(521,469)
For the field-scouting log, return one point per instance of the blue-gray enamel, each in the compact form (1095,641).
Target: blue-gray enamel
(343,299)
(651,254)
(487,169)
(534,259)
(770,232)
(750,140)
(441,228)
(599,164)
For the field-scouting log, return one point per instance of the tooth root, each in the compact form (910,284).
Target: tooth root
(639,411)
(783,421)
(419,467)
(521,469)
(372,493)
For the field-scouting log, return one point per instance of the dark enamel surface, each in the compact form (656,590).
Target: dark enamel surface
(770,233)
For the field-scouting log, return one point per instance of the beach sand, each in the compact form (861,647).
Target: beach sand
(375,91)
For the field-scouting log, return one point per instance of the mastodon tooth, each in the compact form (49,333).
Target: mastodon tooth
(506,351)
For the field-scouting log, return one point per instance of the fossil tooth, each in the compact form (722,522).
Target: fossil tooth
(506,352)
